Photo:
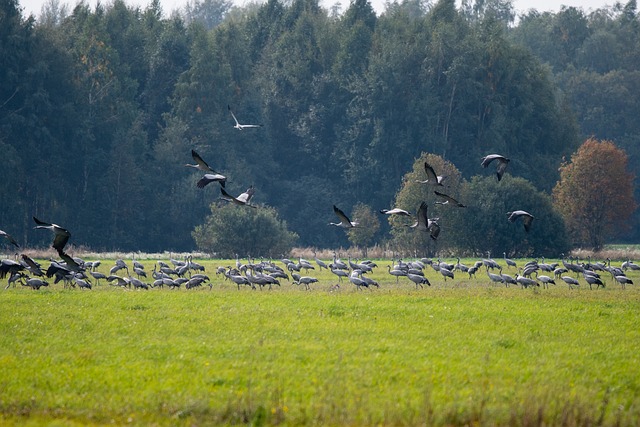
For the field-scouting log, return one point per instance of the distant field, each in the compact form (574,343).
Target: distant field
(461,352)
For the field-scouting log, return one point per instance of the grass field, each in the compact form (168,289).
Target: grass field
(461,352)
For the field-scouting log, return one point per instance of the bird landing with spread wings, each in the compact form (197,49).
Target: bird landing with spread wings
(501,161)
(423,223)
(238,125)
(527,218)
(243,199)
(345,222)
(61,235)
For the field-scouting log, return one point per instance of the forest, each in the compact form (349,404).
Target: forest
(100,108)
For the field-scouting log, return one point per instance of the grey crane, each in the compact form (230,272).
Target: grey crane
(461,267)
(623,280)
(423,223)
(628,264)
(418,280)
(355,278)
(510,262)
(200,163)
(35,283)
(211,177)
(508,280)
(395,211)
(446,273)
(338,263)
(448,200)
(69,262)
(570,281)
(345,222)
(9,267)
(339,273)
(97,275)
(501,165)
(61,235)
(592,280)
(526,281)
(33,267)
(545,279)
(306,281)
(82,284)
(432,178)
(238,125)
(496,278)
(396,272)
(321,264)
(239,280)
(8,237)
(243,199)
(119,265)
(527,218)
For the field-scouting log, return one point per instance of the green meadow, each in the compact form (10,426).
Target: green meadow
(461,352)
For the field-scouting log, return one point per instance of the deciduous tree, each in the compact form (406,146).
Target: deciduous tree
(595,193)
(233,230)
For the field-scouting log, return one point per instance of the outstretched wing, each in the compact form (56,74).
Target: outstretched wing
(61,239)
(233,115)
(203,165)
(431,174)
(41,223)
(344,219)
(501,167)
(434,229)
(209,178)
(9,238)
(491,157)
(449,199)
(421,217)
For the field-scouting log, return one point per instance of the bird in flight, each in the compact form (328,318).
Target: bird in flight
(61,235)
(211,177)
(502,163)
(200,163)
(448,200)
(423,223)
(395,211)
(9,238)
(345,222)
(238,125)
(527,218)
(243,199)
(432,178)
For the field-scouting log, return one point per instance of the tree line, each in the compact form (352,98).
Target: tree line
(101,107)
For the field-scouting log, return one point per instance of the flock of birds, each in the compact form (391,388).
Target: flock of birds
(75,272)
(78,273)
(422,222)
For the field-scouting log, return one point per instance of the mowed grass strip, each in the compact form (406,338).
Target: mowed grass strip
(461,352)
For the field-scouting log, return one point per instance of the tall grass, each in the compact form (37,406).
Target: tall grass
(461,352)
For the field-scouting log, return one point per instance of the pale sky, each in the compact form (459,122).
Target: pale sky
(34,6)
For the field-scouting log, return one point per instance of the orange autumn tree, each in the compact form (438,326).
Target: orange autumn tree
(595,193)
